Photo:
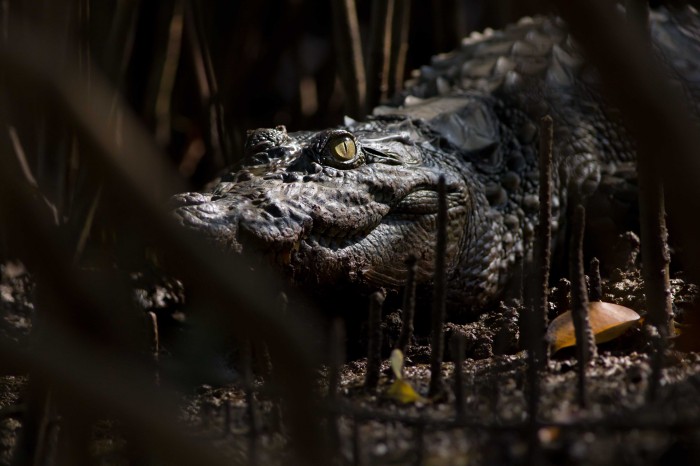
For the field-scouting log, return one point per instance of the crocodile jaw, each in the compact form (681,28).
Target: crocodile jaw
(334,226)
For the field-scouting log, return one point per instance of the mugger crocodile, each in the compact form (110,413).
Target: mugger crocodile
(347,206)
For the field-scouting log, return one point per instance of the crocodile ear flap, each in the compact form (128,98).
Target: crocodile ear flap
(376,156)
(397,151)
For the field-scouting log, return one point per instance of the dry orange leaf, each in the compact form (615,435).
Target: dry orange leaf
(608,321)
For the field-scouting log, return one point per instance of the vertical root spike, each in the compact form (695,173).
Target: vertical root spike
(409,305)
(596,293)
(585,345)
(437,337)
(374,346)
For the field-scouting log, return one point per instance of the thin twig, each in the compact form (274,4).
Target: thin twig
(437,336)
(152,320)
(27,172)
(207,82)
(31,446)
(351,68)
(87,226)
(167,76)
(399,45)
(379,51)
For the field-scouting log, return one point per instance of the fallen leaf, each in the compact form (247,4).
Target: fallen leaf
(678,329)
(403,392)
(400,390)
(608,321)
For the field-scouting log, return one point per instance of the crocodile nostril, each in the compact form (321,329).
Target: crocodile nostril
(262,139)
(188,199)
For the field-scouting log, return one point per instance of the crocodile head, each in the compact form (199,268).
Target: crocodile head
(346,205)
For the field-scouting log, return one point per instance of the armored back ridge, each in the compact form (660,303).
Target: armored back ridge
(349,205)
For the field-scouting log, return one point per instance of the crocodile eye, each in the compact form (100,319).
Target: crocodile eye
(339,149)
(342,148)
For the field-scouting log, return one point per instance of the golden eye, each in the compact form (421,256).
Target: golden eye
(343,148)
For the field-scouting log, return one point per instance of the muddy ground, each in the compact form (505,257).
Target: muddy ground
(620,425)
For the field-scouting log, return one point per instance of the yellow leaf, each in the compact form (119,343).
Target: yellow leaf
(678,329)
(396,361)
(403,392)
(608,321)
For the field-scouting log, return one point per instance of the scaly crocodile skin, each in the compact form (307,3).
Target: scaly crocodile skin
(347,206)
